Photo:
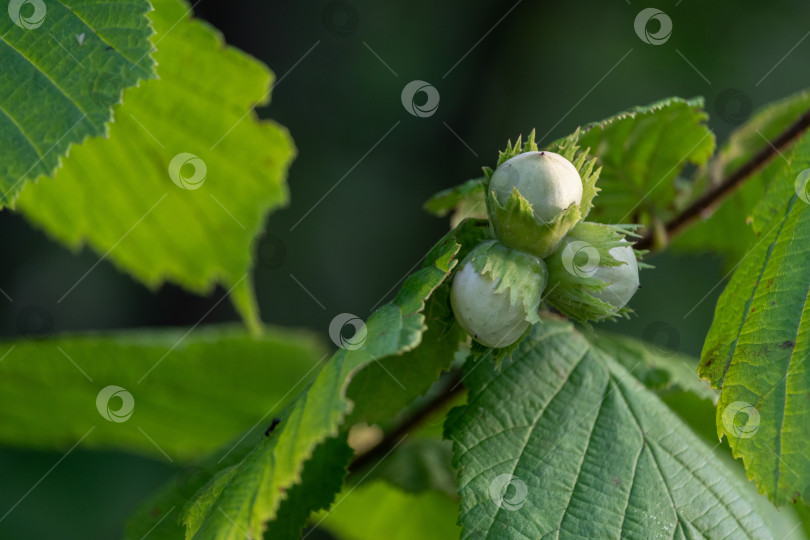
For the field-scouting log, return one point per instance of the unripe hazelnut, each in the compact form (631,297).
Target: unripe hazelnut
(533,201)
(496,293)
(594,273)
(548,181)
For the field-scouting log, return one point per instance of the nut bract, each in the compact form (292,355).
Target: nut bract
(533,201)
(549,182)
(496,293)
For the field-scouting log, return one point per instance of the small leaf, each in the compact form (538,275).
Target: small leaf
(448,199)
(64,67)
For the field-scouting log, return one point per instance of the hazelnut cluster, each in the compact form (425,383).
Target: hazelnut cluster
(543,250)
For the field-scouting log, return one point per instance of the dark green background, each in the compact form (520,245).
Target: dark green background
(537,68)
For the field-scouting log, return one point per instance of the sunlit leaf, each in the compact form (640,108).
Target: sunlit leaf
(125,196)
(64,65)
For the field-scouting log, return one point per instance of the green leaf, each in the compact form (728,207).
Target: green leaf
(64,67)
(641,152)
(727,229)
(377,510)
(698,414)
(383,388)
(449,199)
(321,479)
(563,441)
(664,372)
(117,196)
(673,376)
(192,392)
(251,493)
(758,344)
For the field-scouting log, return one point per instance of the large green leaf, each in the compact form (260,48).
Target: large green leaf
(378,510)
(588,452)
(641,152)
(252,480)
(726,230)
(759,342)
(117,195)
(673,376)
(64,66)
(192,392)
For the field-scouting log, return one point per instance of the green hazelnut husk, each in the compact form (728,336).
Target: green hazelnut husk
(593,273)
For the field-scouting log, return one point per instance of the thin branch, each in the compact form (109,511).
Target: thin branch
(449,391)
(717,193)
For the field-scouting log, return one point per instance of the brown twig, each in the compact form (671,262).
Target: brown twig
(450,390)
(717,193)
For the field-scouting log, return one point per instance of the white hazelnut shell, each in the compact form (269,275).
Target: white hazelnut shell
(487,316)
(547,180)
(622,280)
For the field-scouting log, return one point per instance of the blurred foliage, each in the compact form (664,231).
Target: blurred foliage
(186,394)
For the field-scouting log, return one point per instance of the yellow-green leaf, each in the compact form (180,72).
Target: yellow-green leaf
(124,196)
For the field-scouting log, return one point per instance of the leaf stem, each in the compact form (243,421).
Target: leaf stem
(714,195)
